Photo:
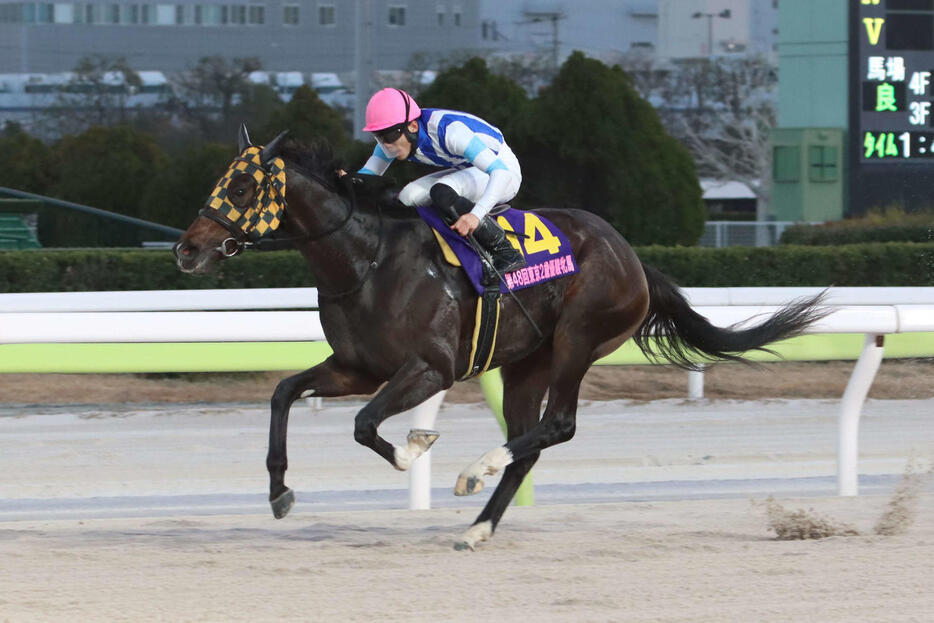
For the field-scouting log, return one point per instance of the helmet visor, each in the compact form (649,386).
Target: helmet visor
(390,135)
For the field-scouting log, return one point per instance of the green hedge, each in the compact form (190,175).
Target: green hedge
(122,269)
(870,264)
(834,235)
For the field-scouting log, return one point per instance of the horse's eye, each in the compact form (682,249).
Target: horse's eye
(240,192)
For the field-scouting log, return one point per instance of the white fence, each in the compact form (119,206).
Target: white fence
(744,233)
(279,314)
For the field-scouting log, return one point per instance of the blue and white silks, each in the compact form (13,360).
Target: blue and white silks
(477,162)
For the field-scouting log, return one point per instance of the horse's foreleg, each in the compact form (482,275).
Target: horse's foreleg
(414,383)
(328,378)
(525,383)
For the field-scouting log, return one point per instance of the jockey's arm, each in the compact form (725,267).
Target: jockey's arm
(461,140)
(377,163)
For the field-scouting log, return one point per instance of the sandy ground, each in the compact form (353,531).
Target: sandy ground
(156,513)
(676,561)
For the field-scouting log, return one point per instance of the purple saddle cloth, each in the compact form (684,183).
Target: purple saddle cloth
(547,250)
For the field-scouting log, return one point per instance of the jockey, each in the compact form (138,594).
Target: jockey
(480,170)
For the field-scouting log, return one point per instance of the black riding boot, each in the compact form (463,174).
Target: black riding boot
(451,206)
(492,237)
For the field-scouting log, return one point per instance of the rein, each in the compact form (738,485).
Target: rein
(277,244)
(372,264)
(240,240)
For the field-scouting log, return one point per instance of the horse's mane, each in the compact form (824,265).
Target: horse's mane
(318,157)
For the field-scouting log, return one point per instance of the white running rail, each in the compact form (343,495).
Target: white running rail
(290,314)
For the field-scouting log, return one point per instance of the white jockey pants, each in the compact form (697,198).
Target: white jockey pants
(470,183)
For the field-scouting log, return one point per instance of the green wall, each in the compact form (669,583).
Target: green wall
(813,93)
(808,174)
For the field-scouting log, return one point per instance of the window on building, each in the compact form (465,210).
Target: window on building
(199,17)
(145,14)
(179,14)
(10,14)
(257,14)
(786,165)
(327,15)
(165,14)
(397,16)
(238,14)
(457,16)
(46,13)
(215,15)
(112,14)
(130,14)
(290,15)
(440,10)
(822,163)
(64,12)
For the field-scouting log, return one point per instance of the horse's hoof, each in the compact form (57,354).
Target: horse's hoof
(476,534)
(283,504)
(422,438)
(468,485)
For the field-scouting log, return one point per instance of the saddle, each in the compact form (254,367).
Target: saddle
(547,253)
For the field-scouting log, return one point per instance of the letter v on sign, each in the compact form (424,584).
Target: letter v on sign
(873,28)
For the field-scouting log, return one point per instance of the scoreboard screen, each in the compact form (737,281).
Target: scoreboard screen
(895,55)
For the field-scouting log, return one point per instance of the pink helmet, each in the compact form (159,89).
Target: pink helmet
(389,107)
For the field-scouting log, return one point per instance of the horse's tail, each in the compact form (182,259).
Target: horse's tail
(688,340)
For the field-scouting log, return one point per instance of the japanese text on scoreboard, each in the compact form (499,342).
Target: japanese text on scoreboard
(896,61)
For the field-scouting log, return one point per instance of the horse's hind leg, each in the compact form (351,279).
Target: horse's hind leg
(326,379)
(525,383)
(557,424)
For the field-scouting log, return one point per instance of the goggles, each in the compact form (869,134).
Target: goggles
(390,135)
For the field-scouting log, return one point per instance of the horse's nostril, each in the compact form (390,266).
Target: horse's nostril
(183,250)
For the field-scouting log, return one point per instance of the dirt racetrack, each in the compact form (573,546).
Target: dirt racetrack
(151,511)
(694,561)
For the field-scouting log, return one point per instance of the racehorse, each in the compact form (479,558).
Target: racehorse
(400,319)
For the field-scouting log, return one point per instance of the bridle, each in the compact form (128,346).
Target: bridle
(248,226)
(249,235)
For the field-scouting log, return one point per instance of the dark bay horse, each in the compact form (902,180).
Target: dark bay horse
(400,319)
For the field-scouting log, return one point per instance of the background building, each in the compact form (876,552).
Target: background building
(812,112)
(603,29)
(701,28)
(307,36)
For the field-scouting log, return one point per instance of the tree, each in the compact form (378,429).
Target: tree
(591,142)
(723,110)
(25,162)
(95,94)
(308,119)
(473,88)
(216,82)
(107,168)
(178,190)
(531,71)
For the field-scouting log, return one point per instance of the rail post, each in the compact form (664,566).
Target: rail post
(851,407)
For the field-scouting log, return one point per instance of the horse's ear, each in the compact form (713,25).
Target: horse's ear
(269,151)
(243,138)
